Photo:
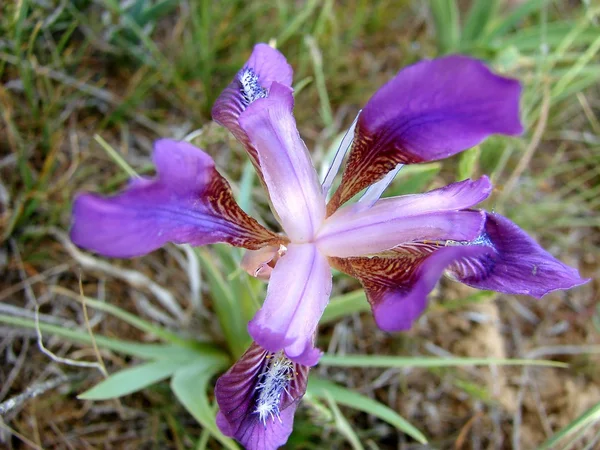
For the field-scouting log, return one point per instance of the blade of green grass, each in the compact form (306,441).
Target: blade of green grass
(446,20)
(136,349)
(323,389)
(226,305)
(574,71)
(190,385)
(131,319)
(116,157)
(317,61)
(342,424)
(299,20)
(478,18)
(344,305)
(591,416)
(426,361)
(503,25)
(467,163)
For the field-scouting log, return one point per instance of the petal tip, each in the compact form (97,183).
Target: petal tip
(267,338)
(309,357)
(571,281)
(518,264)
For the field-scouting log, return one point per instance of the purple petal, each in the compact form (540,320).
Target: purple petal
(252,82)
(518,265)
(188,202)
(260,381)
(368,235)
(430,110)
(435,215)
(287,169)
(298,292)
(397,287)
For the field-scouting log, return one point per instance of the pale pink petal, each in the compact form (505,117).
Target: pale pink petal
(435,215)
(257,262)
(285,162)
(297,295)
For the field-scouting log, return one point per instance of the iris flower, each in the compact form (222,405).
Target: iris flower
(396,247)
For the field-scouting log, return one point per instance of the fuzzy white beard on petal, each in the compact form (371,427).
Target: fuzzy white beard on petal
(250,86)
(274,381)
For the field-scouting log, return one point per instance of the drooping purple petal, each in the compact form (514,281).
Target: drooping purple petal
(435,215)
(287,169)
(258,384)
(517,265)
(397,287)
(430,110)
(252,82)
(298,292)
(187,202)
(503,258)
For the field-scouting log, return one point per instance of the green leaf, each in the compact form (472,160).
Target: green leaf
(226,305)
(446,21)
(467,164)
(190,385)
(479,16)
(344,305)
(243,287)
(133,379)
(136,378)
(324,389)
(413,179)
(427,361)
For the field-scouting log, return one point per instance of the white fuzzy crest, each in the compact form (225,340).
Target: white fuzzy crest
(274,380)
(251,89)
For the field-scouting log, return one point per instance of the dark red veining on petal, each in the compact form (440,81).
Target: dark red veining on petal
(252,235)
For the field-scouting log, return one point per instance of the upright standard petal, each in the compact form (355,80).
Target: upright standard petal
(430,110)
(435,215)
(516,265)
(187,202)
(287,169)
(258,397)
(397,286)
(252,82)
(298,292)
